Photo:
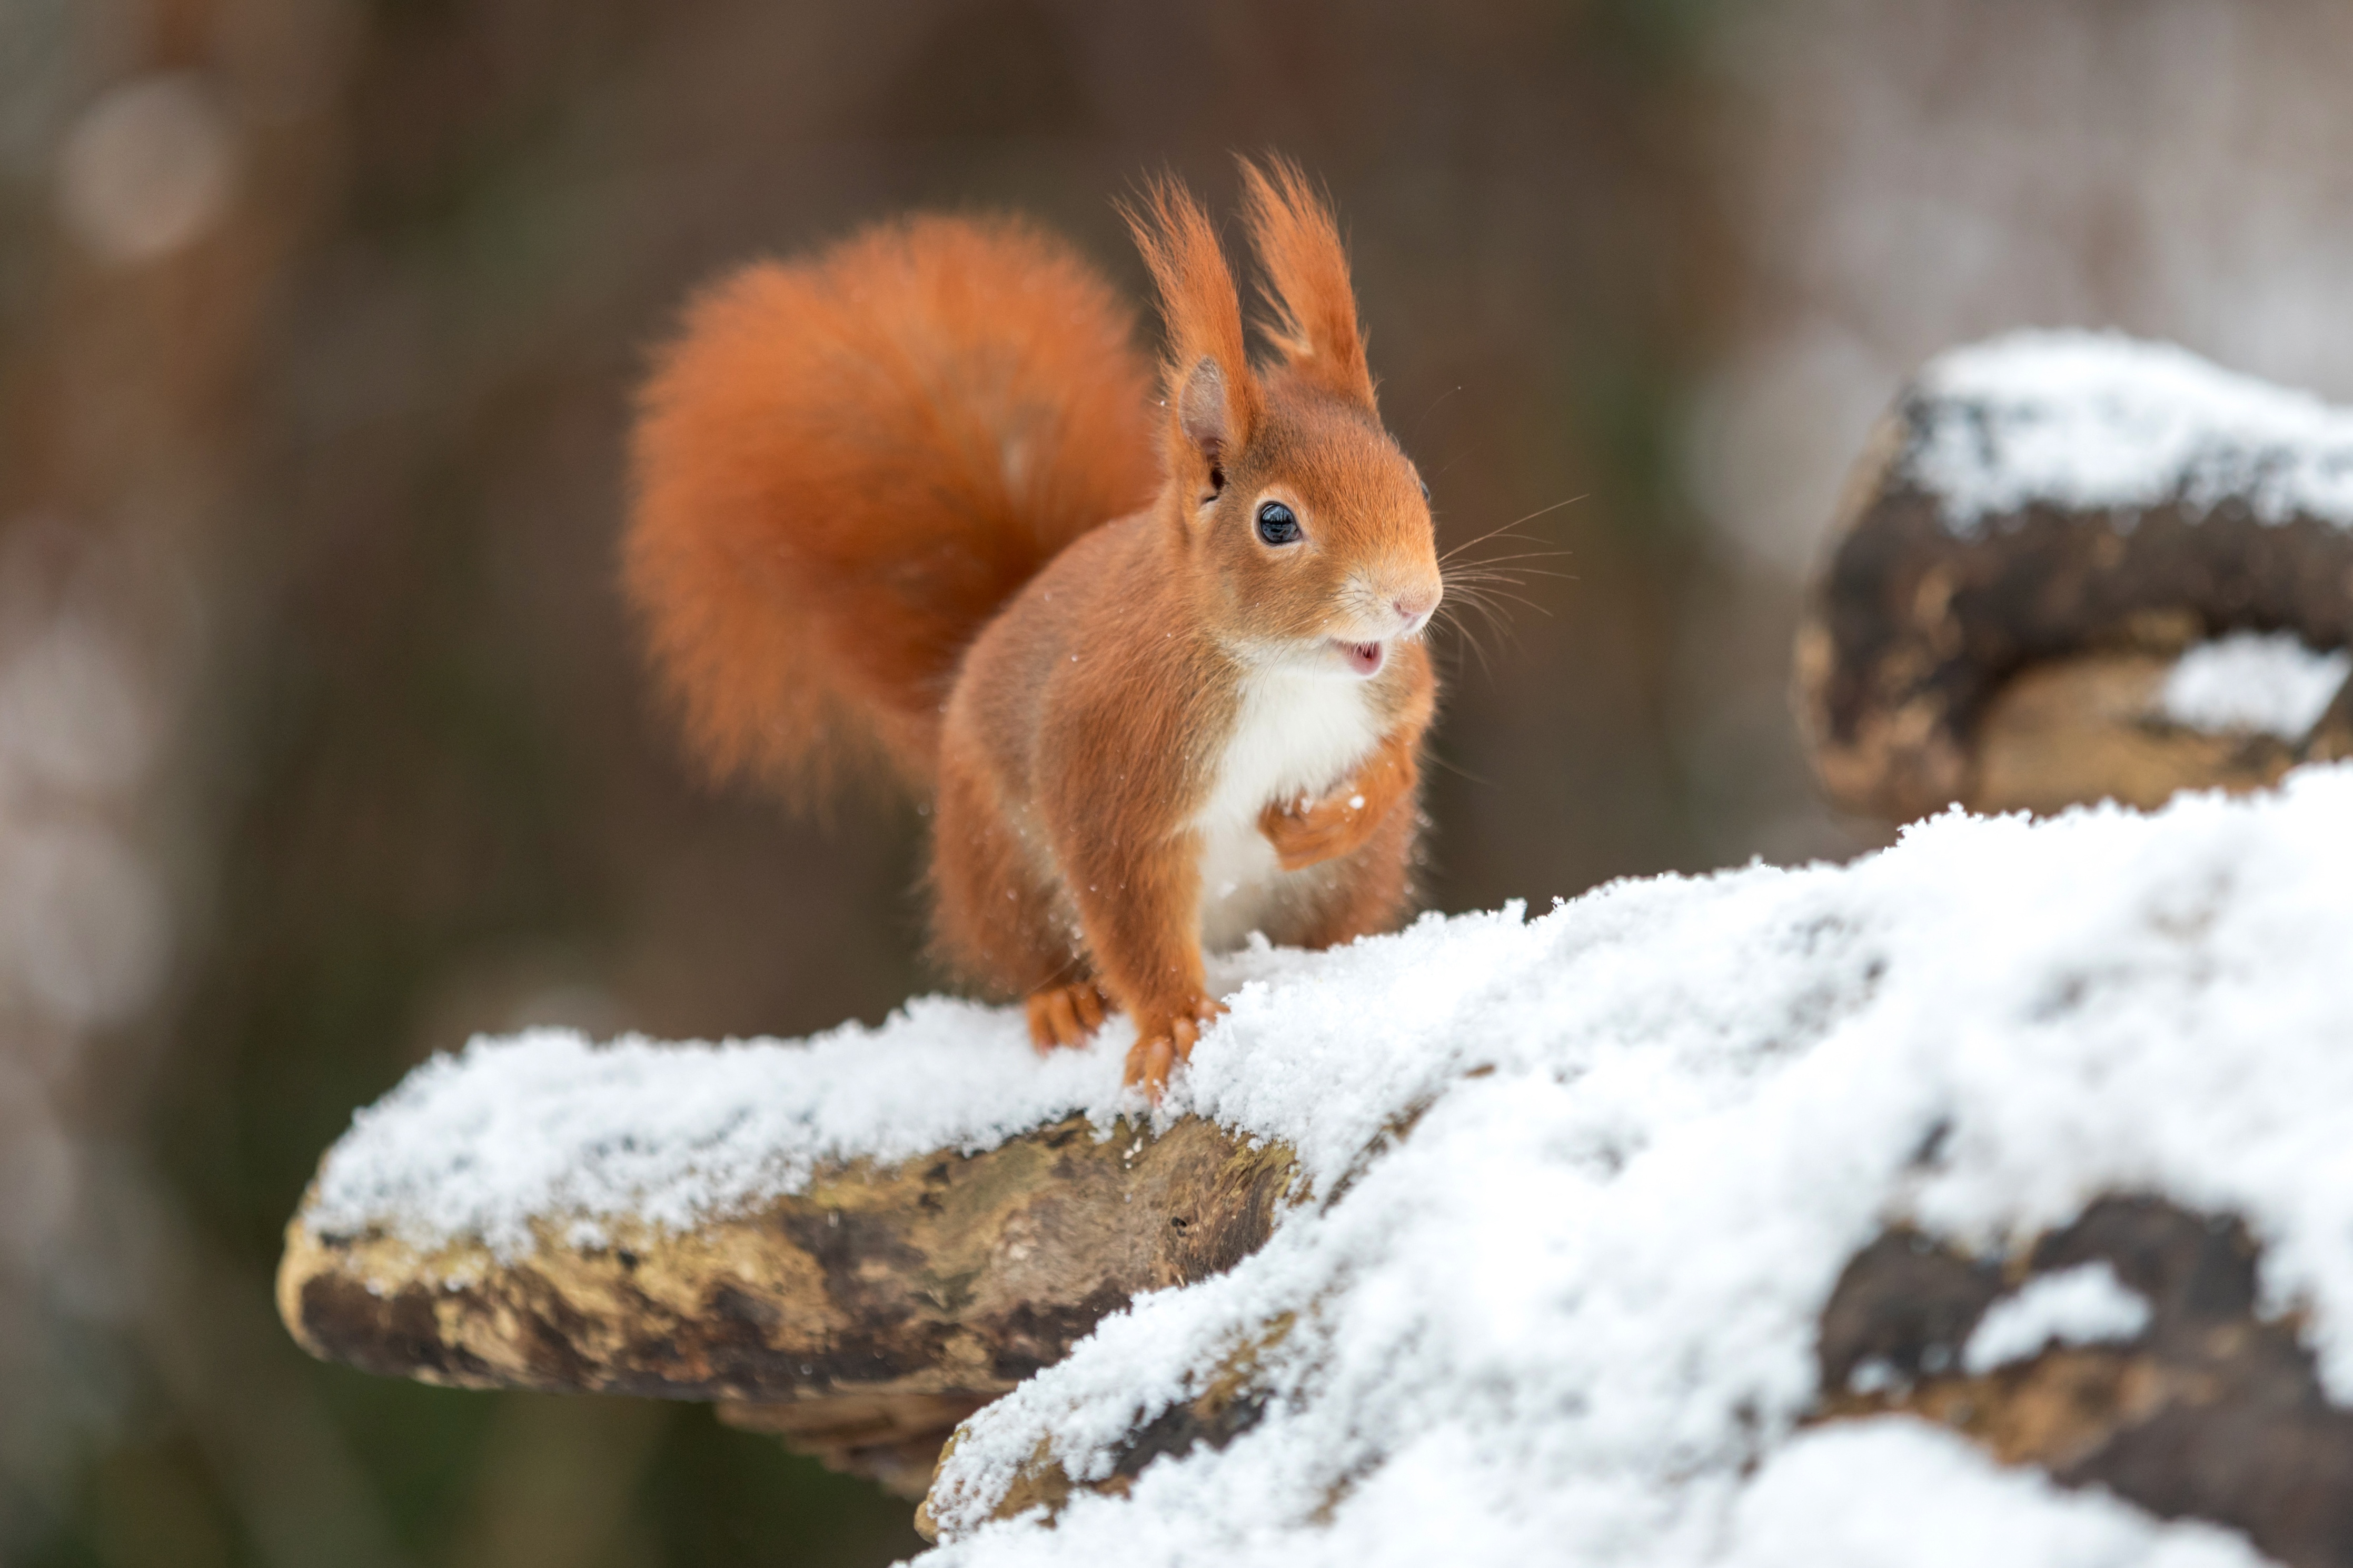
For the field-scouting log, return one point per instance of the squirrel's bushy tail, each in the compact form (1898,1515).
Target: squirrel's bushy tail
(844,465)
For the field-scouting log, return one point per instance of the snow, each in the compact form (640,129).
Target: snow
(2251,682)
(1577,1187)
(544,1126)
(2098,420)
(1873,1493)
(2085,1305)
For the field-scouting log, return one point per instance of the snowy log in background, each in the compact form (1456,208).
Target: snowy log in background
(2044,535)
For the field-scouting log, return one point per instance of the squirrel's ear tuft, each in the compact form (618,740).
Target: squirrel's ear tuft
(1313,311)
(1213,398)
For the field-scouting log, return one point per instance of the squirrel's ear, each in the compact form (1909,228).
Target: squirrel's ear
(1203,418)
(1311,310)
(1213,398)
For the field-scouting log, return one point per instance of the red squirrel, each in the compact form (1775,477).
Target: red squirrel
(897,506)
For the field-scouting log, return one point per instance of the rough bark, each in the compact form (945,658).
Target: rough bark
(2086,729)
(2213,1411)
(1915,628)
(1233,1402)
(859,1319)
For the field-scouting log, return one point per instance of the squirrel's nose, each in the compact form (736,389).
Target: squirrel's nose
(1415,607)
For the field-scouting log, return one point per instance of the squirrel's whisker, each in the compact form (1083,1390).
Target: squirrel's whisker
(1516,522)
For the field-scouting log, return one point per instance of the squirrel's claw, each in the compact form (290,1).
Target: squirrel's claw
(1157,1051)
(1150,1061)
(1065,1015)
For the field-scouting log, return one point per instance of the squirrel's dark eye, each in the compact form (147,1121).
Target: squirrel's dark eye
(1425,486)
(1276,526)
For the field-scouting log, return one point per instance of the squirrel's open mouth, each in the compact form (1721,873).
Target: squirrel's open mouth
(1365,658)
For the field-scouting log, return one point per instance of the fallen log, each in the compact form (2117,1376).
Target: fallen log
(2037,531)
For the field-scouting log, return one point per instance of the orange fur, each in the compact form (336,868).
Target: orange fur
(1156,734)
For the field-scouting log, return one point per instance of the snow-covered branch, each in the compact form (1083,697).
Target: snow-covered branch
(670,1222)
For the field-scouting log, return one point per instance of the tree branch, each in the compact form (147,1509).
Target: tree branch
(859,1319)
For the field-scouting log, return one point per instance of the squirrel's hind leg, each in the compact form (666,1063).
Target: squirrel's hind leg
(995,921)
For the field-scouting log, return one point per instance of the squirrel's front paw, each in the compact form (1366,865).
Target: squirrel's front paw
(1308,832)
(1162,1042)
(1066,1015)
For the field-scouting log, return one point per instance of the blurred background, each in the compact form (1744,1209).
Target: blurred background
(324,742)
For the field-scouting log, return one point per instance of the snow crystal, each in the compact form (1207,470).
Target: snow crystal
(2085,1305)
(1576,1186)
(2095,420)
(2266,685)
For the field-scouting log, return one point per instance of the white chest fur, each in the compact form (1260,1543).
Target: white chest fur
(1297,732)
